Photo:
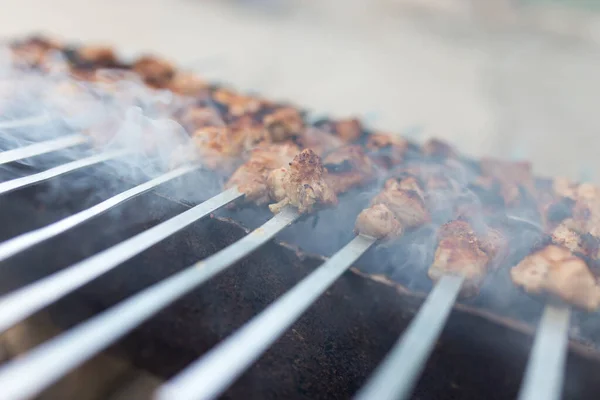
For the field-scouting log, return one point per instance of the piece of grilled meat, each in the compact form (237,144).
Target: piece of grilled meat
(302,184)
(386,150)
(399,206)
(510,177)
(348,167)
(251,178)
(462,251)
(557,271)
(378,221)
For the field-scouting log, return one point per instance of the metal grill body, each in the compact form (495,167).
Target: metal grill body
(329,353)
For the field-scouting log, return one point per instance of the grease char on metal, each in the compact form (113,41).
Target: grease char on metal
(397,375)
(213,373)
(31,373)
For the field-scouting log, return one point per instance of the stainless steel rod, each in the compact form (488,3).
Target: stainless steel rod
(546,366)
(37,149)
(27,121)
(212,374)
(29,239)
(29,374)
(25,301)
(29,180)
(397,375)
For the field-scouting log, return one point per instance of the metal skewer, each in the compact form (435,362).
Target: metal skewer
(29,374)
(213,373)
(398,373)
(42,148)
(29,239)
(27,121)
(29,180)
(546,366)
(23,302)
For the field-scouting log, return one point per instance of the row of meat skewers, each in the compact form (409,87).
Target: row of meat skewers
(273,156)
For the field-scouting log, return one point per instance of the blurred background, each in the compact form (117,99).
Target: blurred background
(510,78)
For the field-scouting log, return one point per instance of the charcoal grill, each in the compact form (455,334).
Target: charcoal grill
(119,282)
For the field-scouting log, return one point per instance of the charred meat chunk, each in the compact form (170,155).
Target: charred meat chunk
(97,56)
(156,72)
(187,84)
(301,185)
(386,150)
(405,199)
(348,130)
(512,178)
(217,147)
(320,141)
(557,271)
(437,149)
(238,104)
(460,252)
(348,167)
(378,221)
(283,124)
(33,51)
(197,117)
(251,178)
(397,207)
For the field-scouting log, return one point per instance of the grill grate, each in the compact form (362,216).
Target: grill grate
(28,375)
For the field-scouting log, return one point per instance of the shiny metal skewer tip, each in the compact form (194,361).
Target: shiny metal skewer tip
(545,371)
(398,373)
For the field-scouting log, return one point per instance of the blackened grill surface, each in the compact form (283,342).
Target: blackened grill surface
(329,352)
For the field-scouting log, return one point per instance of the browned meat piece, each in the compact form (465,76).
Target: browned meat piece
(404,199)
(437,148)
(238,104)
(410,183)
(301,185)
(555,270)
(197,117)
(387,150)
(511,176)
(348,167)
(283,124)
(99,56)
(320,141)
(569,234)
(495,244)
(586,213)
(33,51)
(349,130)
(217,147)
(156,72)
(187,84)
(564,187)
(459,252)
(378,221)
(251,177)
(252,131)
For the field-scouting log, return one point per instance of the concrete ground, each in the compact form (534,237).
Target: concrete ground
(496,79)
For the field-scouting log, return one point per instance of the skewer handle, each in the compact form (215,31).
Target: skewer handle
(397,374)
(545,370)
